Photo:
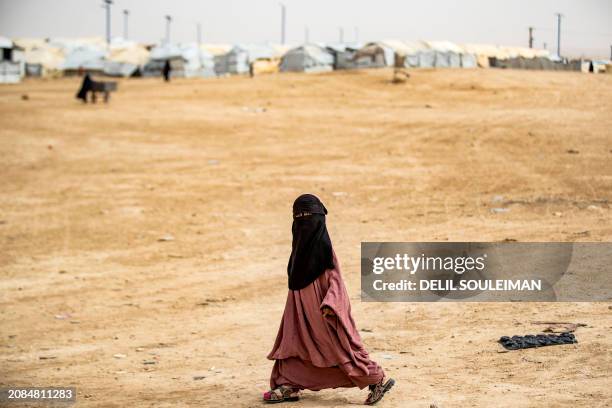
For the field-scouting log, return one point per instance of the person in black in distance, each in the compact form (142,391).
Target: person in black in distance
(166,71)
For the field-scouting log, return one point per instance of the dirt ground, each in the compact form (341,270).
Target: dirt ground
(144,242)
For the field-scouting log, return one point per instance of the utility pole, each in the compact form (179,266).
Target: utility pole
(559,15)
(341,35)
(530,37)
(107,5)
(306,35)
(126,14)
(283,22)
(199,33)
(168,21)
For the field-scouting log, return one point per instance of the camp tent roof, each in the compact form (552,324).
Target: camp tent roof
(5,42)
(216,49)
(445,46)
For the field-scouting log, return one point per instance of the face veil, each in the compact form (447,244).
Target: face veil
(311,249)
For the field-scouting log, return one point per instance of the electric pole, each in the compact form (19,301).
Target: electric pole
(283,22)
(107,5)
(530,37)
(341,35)
(559,15)
(168,21)
(126,14)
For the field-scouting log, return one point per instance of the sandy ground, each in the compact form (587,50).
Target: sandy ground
(213,166)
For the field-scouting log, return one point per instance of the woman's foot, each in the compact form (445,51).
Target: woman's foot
(281,394)
(377,391)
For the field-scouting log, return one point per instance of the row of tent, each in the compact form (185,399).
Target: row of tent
(127,58)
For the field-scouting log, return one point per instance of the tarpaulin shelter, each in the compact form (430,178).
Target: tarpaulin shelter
(344,54)
(186,60)
(125,58)
(41,59)
(239,59)
(375,55)
(12,64)
(307,58)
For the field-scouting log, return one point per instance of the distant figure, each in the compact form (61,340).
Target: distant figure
(166,71)
(86,87)
(251,69)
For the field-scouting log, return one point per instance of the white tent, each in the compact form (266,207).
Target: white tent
(239,59)
(41,59)
(344,54)
(307,58)
(186,60)
(446,54)
(126,58)
(375,55)
(12,65)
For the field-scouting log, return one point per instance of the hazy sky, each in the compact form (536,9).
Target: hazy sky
(586,27)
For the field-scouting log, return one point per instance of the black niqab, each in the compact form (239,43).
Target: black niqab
(311,249)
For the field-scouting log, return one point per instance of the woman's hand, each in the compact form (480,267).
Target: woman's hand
(327,311)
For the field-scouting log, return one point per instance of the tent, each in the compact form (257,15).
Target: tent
(375,55)
(12,65)
(446,54)
(239,59)
(126,58)
(186,60)
(307,58)
(344,54)
(41,59)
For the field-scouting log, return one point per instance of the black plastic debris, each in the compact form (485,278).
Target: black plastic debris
(539,340)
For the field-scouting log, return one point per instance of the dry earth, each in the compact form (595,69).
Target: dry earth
(213,165)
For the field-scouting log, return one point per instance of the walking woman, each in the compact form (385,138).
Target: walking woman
(318,345)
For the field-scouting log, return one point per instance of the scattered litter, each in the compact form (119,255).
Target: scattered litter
(119,355)
(47,357)
(497,198)
(62,316)
(75,322)
(509,240)
(202,304)
(366,330)
(499,210)
(166,238)
(572,151)
(387,356)
(540,340)
(557,213)
(139,349)
(149,362)
(199,377)
(560,327)
(339,193)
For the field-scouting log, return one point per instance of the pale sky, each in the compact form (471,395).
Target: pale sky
(586,27)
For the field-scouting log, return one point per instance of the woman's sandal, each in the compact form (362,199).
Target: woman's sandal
(281,394)
(377,391)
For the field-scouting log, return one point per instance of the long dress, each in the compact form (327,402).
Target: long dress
(315,352)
